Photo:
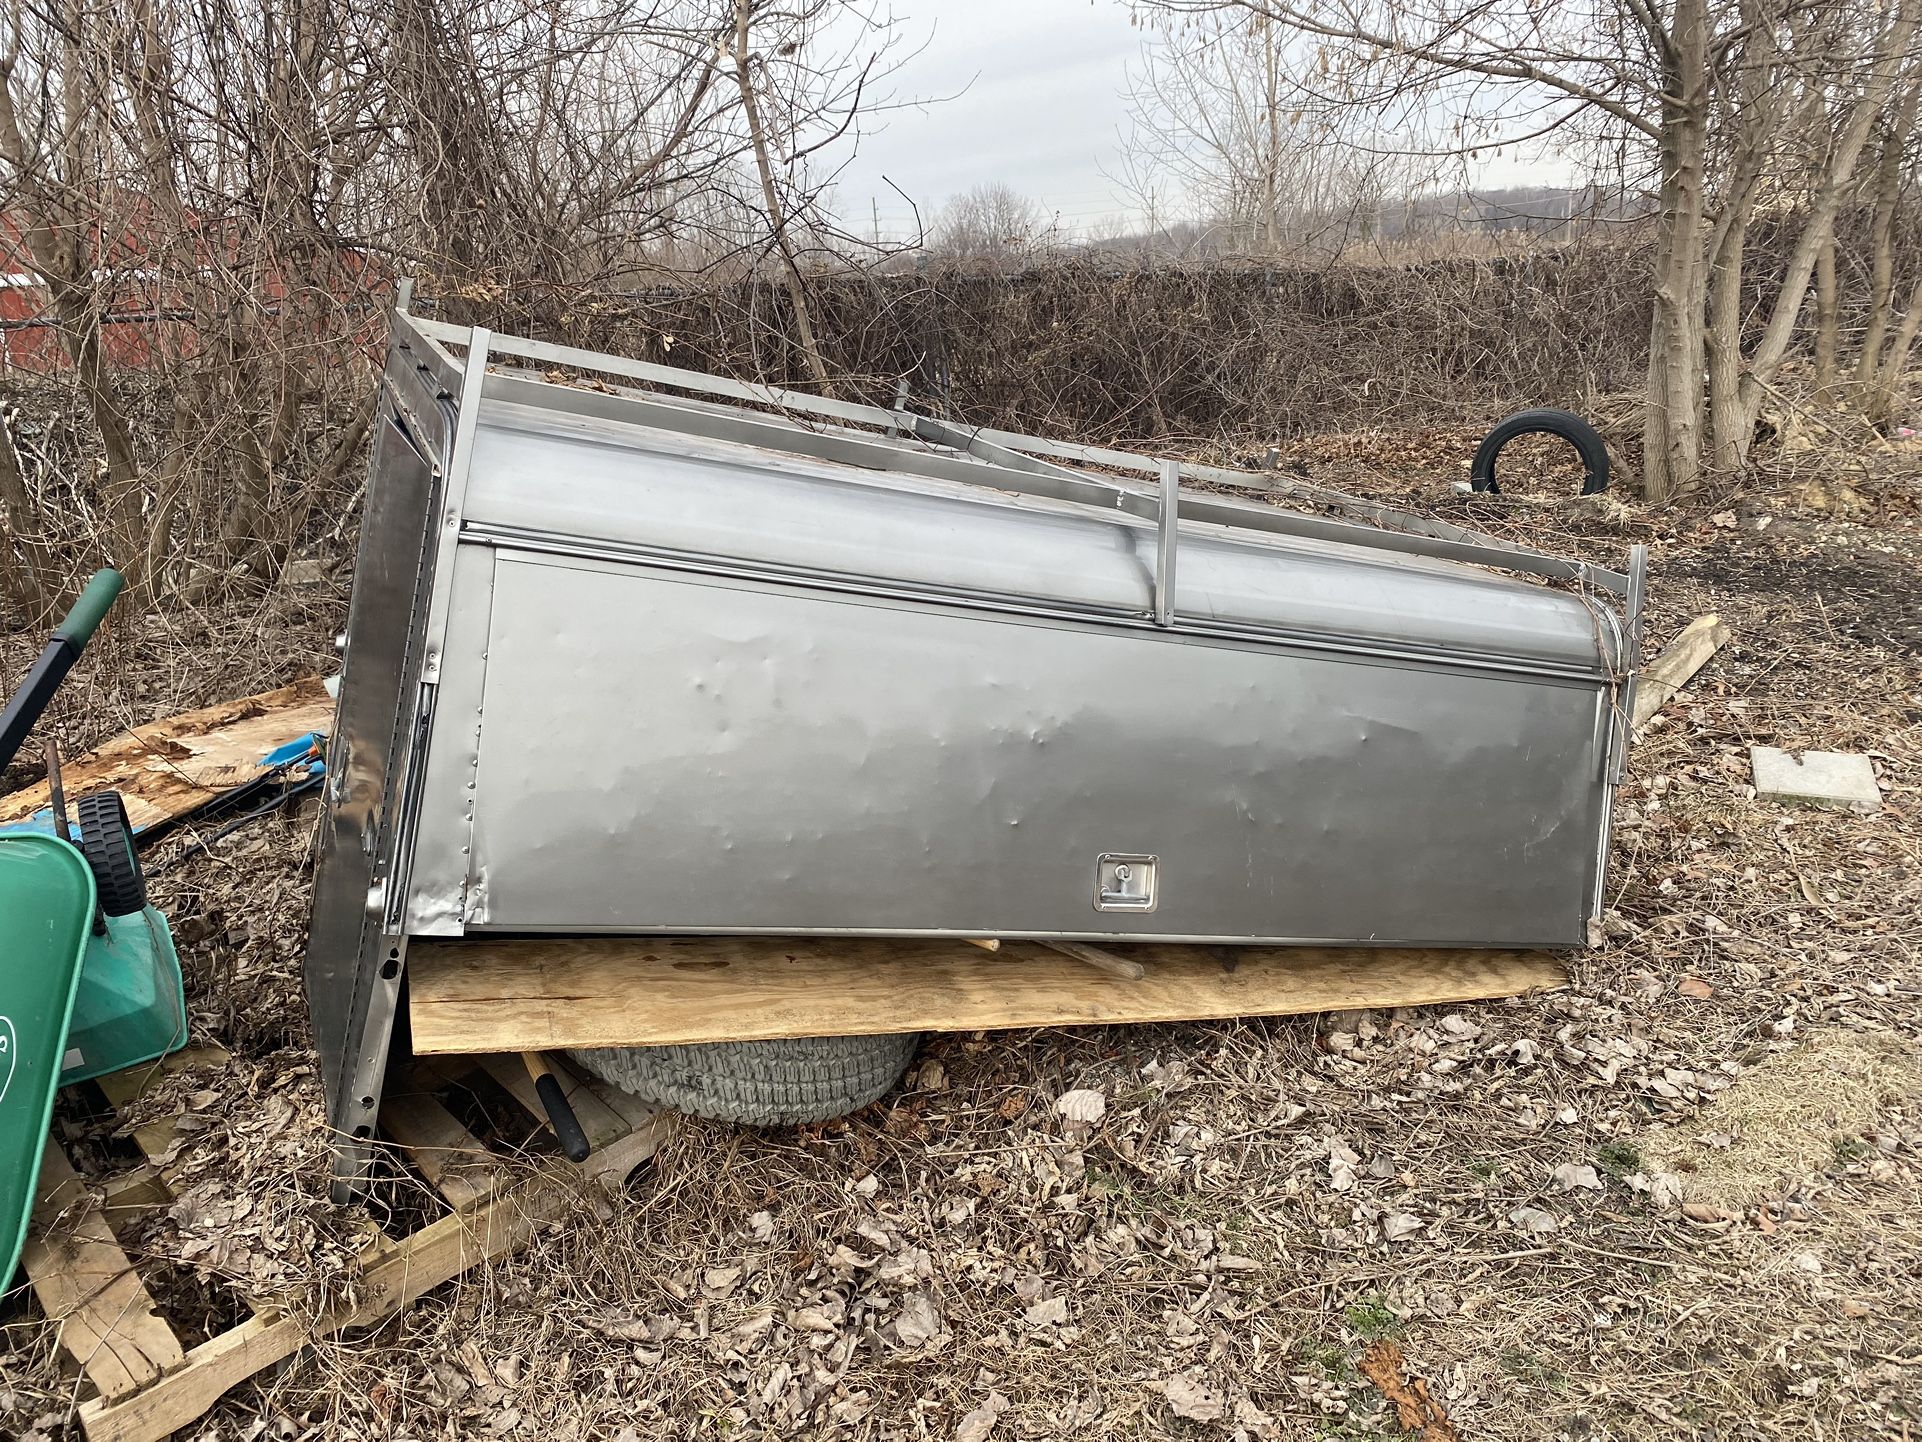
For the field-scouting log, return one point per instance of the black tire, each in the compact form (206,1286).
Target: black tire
(106,840)
(759,1083)
(1570,427)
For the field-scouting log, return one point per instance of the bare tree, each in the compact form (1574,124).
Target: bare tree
(1215,113)
(777,219)
(1785,136)
(993,221)
(218,198)
(1732,106)
(1884,350)
(808,74)
(56,149)
(551,145)
(23,563)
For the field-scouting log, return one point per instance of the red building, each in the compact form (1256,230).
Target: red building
(149,308)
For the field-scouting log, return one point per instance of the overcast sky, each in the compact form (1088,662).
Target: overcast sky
(1041,105)
(1041,108)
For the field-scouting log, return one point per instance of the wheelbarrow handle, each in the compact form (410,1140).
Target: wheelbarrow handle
(560,1113)
(25,706)
(86,614)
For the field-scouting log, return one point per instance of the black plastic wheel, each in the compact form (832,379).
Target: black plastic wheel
(106,840)
(1545,420)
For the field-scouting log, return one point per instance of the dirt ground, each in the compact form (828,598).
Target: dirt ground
(1682,1198)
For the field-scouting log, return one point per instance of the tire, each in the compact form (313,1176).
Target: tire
(106,840)
(759,1083)
(1570,427)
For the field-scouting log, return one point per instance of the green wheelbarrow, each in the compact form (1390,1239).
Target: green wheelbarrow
(89,980)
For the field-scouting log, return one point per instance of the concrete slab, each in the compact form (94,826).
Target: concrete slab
(1821,778)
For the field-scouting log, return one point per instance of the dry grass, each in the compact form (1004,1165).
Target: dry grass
(1793,1116)
(1493,1189)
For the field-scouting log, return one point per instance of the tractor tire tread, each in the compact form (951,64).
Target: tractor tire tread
(758,1083)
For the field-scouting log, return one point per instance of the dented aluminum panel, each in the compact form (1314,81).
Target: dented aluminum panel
(744,758)
(673,664)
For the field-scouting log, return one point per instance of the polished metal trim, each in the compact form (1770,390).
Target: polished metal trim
(660,375)
(481,934)
(1622,716)
(381,967)
(1166,523)
(454,496)
(969,440)
(553,544)
(351,1003)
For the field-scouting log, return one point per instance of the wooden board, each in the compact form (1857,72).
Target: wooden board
(551,994)
(448,1155)
(169,767)
(108,1321)
(1669,672)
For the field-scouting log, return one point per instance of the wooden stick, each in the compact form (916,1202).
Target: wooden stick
(396,1274)
(1100,960)
(986,943)
(1688,653)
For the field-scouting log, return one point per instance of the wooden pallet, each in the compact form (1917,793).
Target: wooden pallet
(145,1383)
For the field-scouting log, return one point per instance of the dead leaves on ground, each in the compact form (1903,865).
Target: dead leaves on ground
(1415,1407)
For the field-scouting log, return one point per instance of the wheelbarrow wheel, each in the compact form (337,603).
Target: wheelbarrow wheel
(106,840)
(759,1083)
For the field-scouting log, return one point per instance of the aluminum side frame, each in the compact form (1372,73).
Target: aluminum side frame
(356,948)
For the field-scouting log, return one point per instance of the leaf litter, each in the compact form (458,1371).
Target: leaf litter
(1678,1199)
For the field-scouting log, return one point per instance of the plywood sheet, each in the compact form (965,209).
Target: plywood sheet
(168,768)
(549,994)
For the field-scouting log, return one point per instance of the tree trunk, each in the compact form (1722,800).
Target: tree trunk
(770,195)
(1749,129)
(20,575)
(1271,161)
(1827,321)
(1672,427)
(1878,405)
(53,238)
(1728,439)
(1820,226)
(1657,487)
(1888,196)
